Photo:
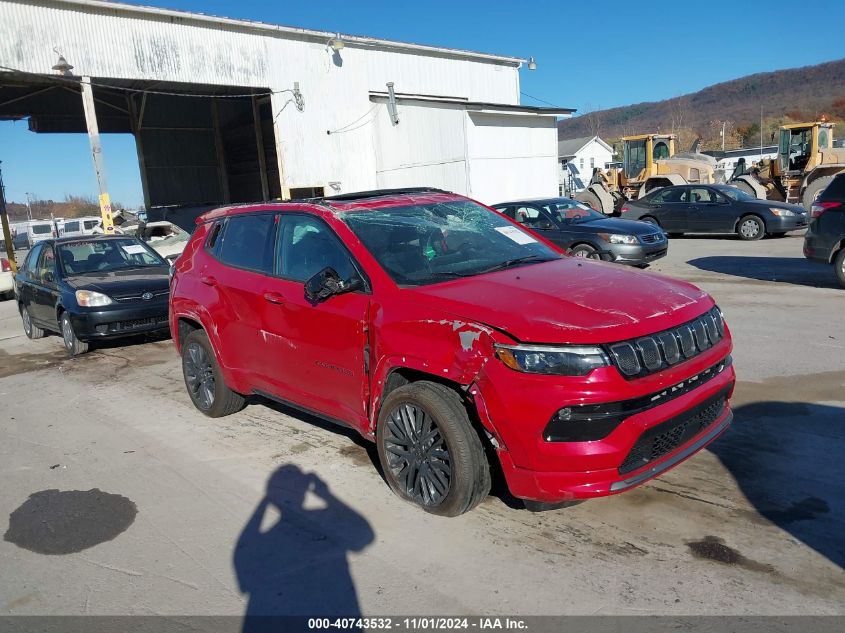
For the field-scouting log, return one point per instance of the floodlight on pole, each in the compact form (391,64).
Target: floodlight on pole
(532,64)
(336,44)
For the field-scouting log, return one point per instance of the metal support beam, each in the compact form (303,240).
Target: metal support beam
(135,123)
(4,220)
(221,154)
(97,154)
(259,142)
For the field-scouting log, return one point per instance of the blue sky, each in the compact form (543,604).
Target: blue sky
(590,55)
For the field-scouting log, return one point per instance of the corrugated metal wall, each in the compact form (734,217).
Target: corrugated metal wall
(113,42)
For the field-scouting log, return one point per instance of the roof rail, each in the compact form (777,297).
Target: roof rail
(376,193)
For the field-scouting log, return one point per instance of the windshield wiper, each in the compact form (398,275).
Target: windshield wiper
(509,263)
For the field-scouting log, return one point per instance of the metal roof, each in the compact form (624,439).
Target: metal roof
(269,29)
(570,147)
(476,106)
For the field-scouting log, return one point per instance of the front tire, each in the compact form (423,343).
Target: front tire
(73,346)
(30,329)
(430,453)
(650,220)
(839,267)
(586,251)
(750,228)
(204,380)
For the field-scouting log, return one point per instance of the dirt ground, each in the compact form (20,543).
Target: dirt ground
(119,498)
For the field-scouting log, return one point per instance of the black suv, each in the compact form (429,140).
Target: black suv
(825,239)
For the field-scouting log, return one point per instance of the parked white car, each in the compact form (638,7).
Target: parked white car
(7,280)
(75,227)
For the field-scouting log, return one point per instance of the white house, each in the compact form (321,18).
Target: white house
(577,158)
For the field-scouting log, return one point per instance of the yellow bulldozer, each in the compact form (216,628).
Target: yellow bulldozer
(805,165)
(649,161)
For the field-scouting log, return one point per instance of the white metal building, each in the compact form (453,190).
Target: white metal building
(230,110)
(584,154)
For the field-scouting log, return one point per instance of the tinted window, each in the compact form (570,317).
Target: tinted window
(46,263)
(702,195)
(572,211)
(307,246)
(71,227)
(437,241)
(80,257)
(29,266)
(214,235)
(41,229)
(835,190)
(90,224)
(248,242)
(667,195)
(736,194)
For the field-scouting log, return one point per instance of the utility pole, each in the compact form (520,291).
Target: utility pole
(28,206)
(97,154)
(724,124)
(4,219)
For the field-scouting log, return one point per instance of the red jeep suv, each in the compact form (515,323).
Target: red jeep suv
(454,339)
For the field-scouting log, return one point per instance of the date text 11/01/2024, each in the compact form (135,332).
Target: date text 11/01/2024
(418,623)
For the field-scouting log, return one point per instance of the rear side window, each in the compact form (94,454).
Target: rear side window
(668,195)
(90,224)
(248,242)
(41,229)
(835,190)
(214,236)
(71,227)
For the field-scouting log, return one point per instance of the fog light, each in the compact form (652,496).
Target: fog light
(564,414)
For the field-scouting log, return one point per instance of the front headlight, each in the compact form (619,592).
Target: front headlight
(91,299)
(614,238)
(782,213)
(560,360)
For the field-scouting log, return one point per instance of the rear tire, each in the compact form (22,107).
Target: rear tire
(30,329)
(839,266)
(430,453)
(204,380)
(750,228)
(585,251)
(813,190)
(73,346)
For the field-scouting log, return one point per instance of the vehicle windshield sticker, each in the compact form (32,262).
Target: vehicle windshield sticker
(516,235)
(134,249)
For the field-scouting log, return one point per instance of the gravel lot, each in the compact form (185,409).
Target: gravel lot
(752,526)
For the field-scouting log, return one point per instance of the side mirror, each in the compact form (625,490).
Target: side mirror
(327,283)
(48,276)
(546,226)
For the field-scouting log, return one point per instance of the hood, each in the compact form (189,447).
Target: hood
(570,300)
(797,208)
(123,283)
(618,225)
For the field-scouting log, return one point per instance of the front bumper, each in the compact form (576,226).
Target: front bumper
(636,254)
(120,321)
(781,225)
(645,444)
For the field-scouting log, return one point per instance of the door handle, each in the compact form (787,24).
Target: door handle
(208,280)
(274,297)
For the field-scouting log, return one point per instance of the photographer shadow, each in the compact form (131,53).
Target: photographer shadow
(297,566)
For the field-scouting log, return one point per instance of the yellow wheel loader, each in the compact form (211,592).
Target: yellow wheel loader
(649,162)
(805,165)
